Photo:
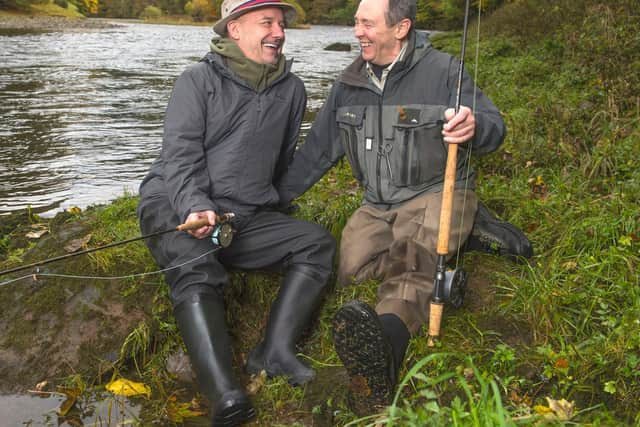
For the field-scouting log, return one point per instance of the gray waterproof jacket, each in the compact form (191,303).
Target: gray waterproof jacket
(392,138)
(225,144)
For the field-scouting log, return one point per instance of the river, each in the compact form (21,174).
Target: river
(82,111)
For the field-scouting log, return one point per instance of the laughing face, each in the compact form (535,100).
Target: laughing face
(380,44)
(259,34)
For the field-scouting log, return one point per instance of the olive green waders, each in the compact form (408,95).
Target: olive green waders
(398,246)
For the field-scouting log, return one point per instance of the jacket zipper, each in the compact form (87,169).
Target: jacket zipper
(380,148)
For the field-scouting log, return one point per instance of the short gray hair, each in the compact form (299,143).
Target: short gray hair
(399,10)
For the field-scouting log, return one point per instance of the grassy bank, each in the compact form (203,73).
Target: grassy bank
(554,341)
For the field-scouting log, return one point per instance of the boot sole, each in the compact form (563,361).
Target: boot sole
(234,415)
(366,355)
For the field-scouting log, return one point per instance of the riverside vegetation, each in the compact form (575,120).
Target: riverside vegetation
(433,14)
(554,340)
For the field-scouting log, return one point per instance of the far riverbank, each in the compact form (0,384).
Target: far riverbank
(51,23)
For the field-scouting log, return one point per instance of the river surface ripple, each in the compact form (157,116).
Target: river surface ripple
(81,112)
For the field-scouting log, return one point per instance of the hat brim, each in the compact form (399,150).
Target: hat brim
(289,12)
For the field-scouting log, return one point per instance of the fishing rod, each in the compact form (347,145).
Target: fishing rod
(447,284)
(221,236)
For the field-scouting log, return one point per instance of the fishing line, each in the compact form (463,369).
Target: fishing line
(221,235)
(452,290)
(71,276)
(467,161)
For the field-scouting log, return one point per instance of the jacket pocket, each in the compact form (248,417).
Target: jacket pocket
(420,155)
(350,124)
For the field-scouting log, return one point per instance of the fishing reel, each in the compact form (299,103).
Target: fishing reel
(455,287)
(222,234)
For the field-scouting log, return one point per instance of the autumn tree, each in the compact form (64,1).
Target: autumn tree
(200,10)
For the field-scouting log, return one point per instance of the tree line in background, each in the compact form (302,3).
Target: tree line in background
(432,14)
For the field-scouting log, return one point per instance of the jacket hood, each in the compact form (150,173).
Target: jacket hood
(419,46)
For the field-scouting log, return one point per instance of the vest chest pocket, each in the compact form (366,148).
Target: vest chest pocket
(350,124)
(419,155)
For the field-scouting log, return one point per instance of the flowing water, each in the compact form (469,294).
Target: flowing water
(81,121)
(81,112)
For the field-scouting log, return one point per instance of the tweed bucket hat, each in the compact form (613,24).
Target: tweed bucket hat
(232,9)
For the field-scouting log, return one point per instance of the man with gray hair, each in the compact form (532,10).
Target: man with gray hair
(230,130)
(391,113)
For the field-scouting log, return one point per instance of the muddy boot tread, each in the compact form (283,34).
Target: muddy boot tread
(366,354)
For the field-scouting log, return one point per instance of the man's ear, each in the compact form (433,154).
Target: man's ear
(233,29)
(402,28)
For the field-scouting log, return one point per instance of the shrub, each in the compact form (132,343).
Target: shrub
(200,10)
(151,12)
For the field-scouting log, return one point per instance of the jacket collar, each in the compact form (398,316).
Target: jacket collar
(418,45)
(217,61)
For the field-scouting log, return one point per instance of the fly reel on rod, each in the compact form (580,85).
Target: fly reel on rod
(222,234)
(455,287)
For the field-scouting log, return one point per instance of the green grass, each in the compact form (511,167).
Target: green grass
(562,326)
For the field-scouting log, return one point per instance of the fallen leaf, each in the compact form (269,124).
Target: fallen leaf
(196,404)
(39,389)
(177,412)
(516,398)
(542,410)
(562,408)
(256,382)
(37,231)
(72,396)
(77,244)
(125,387)
(561,363)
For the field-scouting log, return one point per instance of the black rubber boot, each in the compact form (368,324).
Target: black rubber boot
(298,298)
(367,355)
(398,335)
(201,320)
(493,236)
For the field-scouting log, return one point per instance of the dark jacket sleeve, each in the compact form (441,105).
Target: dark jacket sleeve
(293,132)
(490,128)
(320,151)
(184,164)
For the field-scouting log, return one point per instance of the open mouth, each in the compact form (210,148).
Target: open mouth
(274,46)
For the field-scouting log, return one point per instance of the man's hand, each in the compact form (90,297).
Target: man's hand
(202,232)
(459,127)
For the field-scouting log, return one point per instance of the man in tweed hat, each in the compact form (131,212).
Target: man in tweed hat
(230,130)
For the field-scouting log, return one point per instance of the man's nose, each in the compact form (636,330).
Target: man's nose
(277,31)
